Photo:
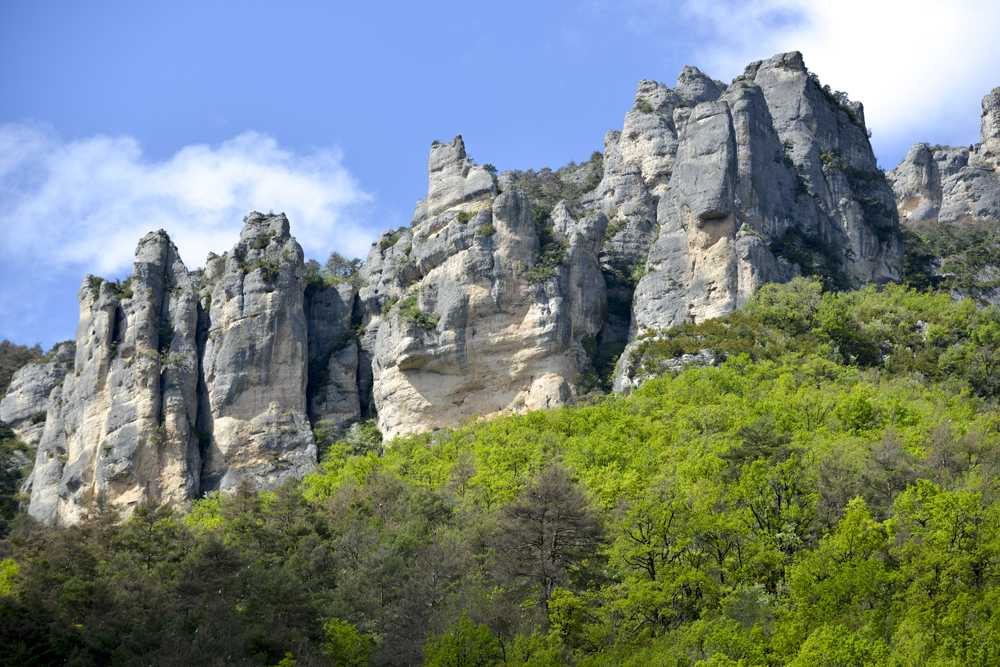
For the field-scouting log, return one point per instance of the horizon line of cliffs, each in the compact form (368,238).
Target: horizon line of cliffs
(184,382)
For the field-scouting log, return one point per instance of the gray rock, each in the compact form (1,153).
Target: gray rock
(989,148)
(461,324)
(974,192)
(695,87)
(958,183)
(122,426)
(255,362)
(772,159)
(27,401)
(926,211)
(334,399)
(453,181)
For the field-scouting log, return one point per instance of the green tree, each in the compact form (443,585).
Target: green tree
(464,644)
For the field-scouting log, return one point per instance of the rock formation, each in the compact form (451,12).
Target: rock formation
(29,400)
(713,191)
(181,382)
(468,312)
(952,184)
(491,300)
(254,362)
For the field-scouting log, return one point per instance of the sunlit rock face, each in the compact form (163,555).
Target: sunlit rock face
(952,184)
(182,382)
(255,361)
(185,382)
(460,320)
(121,428)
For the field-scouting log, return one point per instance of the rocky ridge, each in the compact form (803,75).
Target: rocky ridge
(491,300)
(952,185)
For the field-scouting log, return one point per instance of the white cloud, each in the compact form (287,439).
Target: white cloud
(920,67)
(82,206)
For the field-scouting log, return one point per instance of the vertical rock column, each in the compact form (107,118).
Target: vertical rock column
(254,361)
(122,426)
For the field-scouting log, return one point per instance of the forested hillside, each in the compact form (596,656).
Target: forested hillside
(824,494)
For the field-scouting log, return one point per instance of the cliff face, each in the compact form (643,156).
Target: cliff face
(182,383)
(254,361)
(467,313)
(953,184)
(491,300)
(121,426)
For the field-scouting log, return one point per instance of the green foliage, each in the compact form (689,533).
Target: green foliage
(969,250)
(337,270)
(409,311)
(262,241)
(95,283)
(826,494)
(388,305)
(616,226)
(813,255)
(464,644)
(344,645)
(123,289)
(465,216)
(546,187)
(9,569)
(12,475)
(645,107)
(12,358)
(551,252)
(392,239)
(486,230)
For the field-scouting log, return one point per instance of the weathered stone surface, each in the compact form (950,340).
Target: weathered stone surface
(989,130)
(453,181)
(735,189)
(461,328)
(122,424)
(952,184)
(255,362)
(918,179)
(334,399)
(974,192)
(27,401)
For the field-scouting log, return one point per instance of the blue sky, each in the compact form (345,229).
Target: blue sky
(121,118)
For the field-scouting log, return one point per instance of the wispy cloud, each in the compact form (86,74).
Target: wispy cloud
(85,204)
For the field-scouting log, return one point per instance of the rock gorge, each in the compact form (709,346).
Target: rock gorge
(491,300)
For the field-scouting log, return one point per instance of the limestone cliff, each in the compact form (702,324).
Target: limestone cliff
(121,426)
(504,293)
(254,363)
(714,190)
(181,382)
(953,184)
(469,311)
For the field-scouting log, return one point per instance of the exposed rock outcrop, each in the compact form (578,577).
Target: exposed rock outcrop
(122,425)
(29,398)
(497,297)
(152,409)
(767,179)
(334,395)
(468,312)
(255,361)
(952,184)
